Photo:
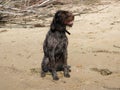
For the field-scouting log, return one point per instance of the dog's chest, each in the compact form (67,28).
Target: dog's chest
(61,47)
(62,42)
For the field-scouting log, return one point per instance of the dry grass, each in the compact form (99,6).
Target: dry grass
(88,2)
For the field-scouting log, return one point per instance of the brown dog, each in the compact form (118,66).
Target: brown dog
(55,45)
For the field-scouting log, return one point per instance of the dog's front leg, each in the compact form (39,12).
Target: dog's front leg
(66,67)
(66,71)
(53,66)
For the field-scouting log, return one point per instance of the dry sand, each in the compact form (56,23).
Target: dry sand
(94,43)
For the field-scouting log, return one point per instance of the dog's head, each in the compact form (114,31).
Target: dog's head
(64,18)
(61,20)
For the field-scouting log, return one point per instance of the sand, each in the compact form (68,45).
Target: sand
(94,43)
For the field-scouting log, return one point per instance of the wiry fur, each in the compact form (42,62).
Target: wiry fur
(55,46)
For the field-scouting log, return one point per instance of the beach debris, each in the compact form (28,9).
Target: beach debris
(35,70)
(103,72)
(116,46)
(111,88)
(1,31)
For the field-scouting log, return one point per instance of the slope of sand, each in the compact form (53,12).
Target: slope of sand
(94,43)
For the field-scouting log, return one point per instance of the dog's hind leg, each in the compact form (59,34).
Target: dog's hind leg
(44,66)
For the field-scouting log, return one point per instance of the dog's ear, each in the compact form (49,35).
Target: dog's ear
(53,25)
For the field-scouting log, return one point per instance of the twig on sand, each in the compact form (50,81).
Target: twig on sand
(111,88)
(116,46)
(3,31)
(103,72)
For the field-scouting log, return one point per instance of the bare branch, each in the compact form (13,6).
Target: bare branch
(46,2)
(11,13)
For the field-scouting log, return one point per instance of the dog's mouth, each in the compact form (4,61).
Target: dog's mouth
(70,23)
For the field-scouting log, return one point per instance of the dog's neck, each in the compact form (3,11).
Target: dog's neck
(61,28)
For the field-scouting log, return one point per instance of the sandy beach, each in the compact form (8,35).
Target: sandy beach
(93,53)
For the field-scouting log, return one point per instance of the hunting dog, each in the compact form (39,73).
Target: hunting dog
(55,45)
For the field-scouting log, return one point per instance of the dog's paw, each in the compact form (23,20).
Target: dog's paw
(43,74)
(55,78)
(67,75)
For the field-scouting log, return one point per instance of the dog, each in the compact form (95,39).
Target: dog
(55,45)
